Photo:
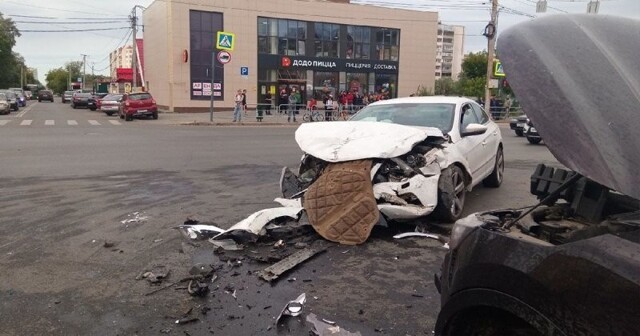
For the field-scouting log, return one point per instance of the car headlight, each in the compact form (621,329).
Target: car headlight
(514,120)
(462,228)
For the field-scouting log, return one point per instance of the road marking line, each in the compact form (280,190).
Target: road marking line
(49,122)
(115,122)
(72,123)
(4,122)
(25,110)
(94,122)
(26,122)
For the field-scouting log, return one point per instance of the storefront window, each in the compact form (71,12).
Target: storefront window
(357,83)
(358,42)
(281,37)
(387,44)
(202,31)
(386,86)
(327,40)
(324,84)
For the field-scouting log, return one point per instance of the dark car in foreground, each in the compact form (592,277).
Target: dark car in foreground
(46,95)
(570,265)
(82,100)
(140,104)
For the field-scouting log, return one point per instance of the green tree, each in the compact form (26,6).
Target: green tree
(57,80)
(445,86)
(10,62)
(474,65)
(471,87)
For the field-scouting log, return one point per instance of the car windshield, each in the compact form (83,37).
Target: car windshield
(10,94)
(3,96)
(112,97)
(68,92)
(438,115)
(139,96)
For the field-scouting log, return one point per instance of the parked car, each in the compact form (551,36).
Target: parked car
(12,98)
(83,99)
(110,104)
(569,265)
(5,105)
(139,104)
(67,96)
(517,124)
(45,95)
(28,94)
(428,152)
(531,133)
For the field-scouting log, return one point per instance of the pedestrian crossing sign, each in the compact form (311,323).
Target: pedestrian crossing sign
(498,70)
(225,41)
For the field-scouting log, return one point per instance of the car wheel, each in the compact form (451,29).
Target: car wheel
(154,116)
(128,118)
(534,141)
(109,113)
(92,108)
(519,133)
(484,324)
(495,179)
(452,191)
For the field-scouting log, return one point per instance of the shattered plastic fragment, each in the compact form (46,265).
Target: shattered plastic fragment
(199,231)
(425,235)
(250,228)
(293,308)
(323,327)
(274,271)
(289,203)
(227,244)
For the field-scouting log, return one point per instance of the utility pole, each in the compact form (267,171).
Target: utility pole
(490,32)
(21,77)
(84,70)
(69,72)
(134,58)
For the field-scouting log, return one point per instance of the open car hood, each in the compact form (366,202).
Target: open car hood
(341,141)
(578,78)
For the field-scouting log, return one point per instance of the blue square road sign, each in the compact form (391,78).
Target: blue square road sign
(244,71)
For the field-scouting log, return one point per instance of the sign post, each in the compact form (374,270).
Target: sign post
(224,41)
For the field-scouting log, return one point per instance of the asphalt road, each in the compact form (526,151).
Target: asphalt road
(73,179)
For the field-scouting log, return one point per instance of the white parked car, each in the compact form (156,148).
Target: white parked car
(426,152)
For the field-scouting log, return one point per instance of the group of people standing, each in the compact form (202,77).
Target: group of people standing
(240,105)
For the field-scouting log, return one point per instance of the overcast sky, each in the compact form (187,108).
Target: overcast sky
(49,50)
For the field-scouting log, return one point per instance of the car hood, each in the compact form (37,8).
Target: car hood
(578,78)
(340,141)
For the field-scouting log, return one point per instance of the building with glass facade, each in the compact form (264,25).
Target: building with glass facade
(320,48)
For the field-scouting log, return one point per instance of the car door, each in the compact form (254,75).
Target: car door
(472,147)
(491,139)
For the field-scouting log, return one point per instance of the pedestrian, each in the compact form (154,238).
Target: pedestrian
(244,101)
(349,98)
(292,106)
(268,99)
(283,101)
(237,112)
(328,108)
(298,97)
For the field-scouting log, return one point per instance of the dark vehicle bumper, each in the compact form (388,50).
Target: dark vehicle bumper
(142,112)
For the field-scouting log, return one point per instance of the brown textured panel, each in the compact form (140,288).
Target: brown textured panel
(341,205)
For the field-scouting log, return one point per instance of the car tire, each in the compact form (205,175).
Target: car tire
(519,133)
(109,113)
(495,179)
(534,141)
(92,108)
(452,191)
(154,116)
(485,325)
(128,118)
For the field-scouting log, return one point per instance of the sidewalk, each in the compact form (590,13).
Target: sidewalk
(226,119)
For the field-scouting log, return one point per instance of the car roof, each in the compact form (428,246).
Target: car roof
(424,100)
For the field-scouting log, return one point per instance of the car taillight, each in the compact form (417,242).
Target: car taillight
(126,103)
(153,101)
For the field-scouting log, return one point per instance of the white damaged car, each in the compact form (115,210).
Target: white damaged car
(426,153)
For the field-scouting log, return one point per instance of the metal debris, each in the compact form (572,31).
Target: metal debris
(227,244)
(293,308)
(274,271)
(439,238)
(135,217)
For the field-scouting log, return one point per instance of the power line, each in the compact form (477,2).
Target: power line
(50,8)
(71,30)
(69,22)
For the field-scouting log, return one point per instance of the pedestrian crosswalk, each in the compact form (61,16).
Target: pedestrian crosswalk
(50,122)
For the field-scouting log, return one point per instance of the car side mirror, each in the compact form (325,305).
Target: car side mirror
(474,129)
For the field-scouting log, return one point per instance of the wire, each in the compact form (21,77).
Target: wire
(73,22)
(50,8)
(126,37)
(71,30)
(67,18)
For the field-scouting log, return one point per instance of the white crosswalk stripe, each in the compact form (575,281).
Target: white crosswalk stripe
(26,122)
(49,122)
(72,123)
(69,122)
(94,122)
(4,122)
(115,122)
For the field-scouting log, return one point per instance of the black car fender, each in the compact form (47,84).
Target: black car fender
(473,299)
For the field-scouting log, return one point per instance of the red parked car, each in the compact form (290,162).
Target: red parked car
(140,104)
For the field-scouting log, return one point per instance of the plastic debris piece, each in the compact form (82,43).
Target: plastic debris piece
(199,231)
(227,244)
(274,271)
(439,238)
(324,327)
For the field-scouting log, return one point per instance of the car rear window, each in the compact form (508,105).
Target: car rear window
(112,97)
(83,95)
(139,96)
